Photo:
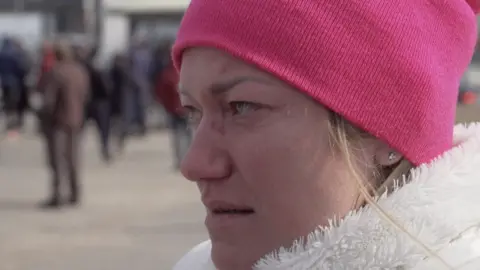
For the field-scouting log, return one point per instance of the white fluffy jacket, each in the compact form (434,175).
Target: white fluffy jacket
(439,206)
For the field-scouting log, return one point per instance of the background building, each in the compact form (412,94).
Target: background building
(109,23)
(152,18)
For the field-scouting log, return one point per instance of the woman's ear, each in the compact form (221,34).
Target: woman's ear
(386,156)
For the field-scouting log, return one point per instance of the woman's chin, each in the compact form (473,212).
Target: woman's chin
(229,257)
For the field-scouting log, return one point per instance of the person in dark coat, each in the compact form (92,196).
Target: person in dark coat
(25,66)
(139,94)
(65,93)
(161,59)
(121,82)
(11,75)
(99,103)
(167,95)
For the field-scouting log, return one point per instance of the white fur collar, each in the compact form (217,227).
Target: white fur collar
(439,207)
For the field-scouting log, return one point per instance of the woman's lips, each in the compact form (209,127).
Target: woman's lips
(228,208)
(225,216)
(233,211)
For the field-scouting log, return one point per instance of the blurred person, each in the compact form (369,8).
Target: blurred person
(23,99)
(121,83)
(11,74)
(167,95)
(47,57)
(65,93)
(139,94)
(323,134)
(47,61)
(99,107)
(160,59)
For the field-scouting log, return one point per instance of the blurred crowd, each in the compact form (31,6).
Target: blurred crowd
(66,90)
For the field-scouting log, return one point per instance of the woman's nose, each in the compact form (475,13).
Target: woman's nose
(206,158)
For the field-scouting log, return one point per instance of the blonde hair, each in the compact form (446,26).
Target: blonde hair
(344,138)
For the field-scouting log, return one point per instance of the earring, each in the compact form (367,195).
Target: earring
(392,156)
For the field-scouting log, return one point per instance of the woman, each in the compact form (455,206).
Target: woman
(304,111)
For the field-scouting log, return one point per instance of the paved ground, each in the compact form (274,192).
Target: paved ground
(137,214)
(468,113)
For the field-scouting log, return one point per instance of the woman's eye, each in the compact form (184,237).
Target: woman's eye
(242,107)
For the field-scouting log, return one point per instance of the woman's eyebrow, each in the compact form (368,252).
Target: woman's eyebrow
(222,87)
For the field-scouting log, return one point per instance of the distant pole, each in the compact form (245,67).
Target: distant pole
(94,20)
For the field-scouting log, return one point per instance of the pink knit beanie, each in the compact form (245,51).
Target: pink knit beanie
(392,68)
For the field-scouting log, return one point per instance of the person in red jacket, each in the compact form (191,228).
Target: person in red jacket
(166,82)
(48,60)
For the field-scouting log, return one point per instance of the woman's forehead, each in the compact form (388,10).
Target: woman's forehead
(210,64)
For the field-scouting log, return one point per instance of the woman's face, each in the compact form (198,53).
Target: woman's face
(261,158)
